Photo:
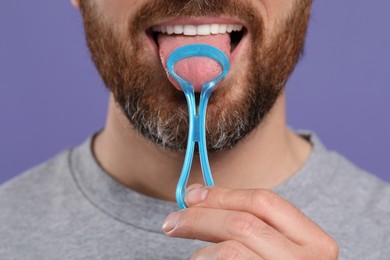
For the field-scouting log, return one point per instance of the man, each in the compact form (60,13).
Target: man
(279,194)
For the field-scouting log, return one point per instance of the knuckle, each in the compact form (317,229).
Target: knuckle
(243,225)
(219,199)
(329,247)
(266,199)
(333,249)
(230,250)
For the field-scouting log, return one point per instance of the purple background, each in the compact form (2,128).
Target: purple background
(51,96)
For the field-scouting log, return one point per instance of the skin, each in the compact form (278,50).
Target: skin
(247,220)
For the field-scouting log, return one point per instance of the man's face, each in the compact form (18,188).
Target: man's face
(126,52)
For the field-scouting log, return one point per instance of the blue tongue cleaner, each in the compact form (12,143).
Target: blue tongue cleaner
(197,121)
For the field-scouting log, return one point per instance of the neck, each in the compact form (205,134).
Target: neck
(266,158)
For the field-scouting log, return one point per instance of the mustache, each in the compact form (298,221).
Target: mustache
(153,12)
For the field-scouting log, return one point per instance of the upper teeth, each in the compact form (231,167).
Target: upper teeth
(204,29)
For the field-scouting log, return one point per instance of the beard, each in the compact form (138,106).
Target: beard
(156,109)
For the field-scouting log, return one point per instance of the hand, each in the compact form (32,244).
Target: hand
(248,224)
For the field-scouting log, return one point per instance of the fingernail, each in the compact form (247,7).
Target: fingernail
(196,196)
(170,222)
(194,186)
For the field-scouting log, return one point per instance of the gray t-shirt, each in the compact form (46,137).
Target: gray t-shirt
(69,208)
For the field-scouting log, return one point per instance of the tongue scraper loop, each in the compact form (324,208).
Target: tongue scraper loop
(197,121)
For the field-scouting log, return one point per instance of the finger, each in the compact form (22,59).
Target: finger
(264,204)
(194,186)
(216,225)
(226,250)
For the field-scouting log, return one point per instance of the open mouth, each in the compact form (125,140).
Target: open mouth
(224,34)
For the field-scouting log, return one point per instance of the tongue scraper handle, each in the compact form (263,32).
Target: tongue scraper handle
(197,121)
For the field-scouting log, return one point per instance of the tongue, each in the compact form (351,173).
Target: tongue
(197,70)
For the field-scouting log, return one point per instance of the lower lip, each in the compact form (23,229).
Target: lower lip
(233,55)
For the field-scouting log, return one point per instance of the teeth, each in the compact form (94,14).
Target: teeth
(214,28)
(190,30)
(230,28)
(170,29)
(179,29)
(238,28)
(204,29)
(223,28)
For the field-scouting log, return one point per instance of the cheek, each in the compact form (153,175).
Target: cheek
(118,12)
(278,7)
(115,7)
(275,12)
